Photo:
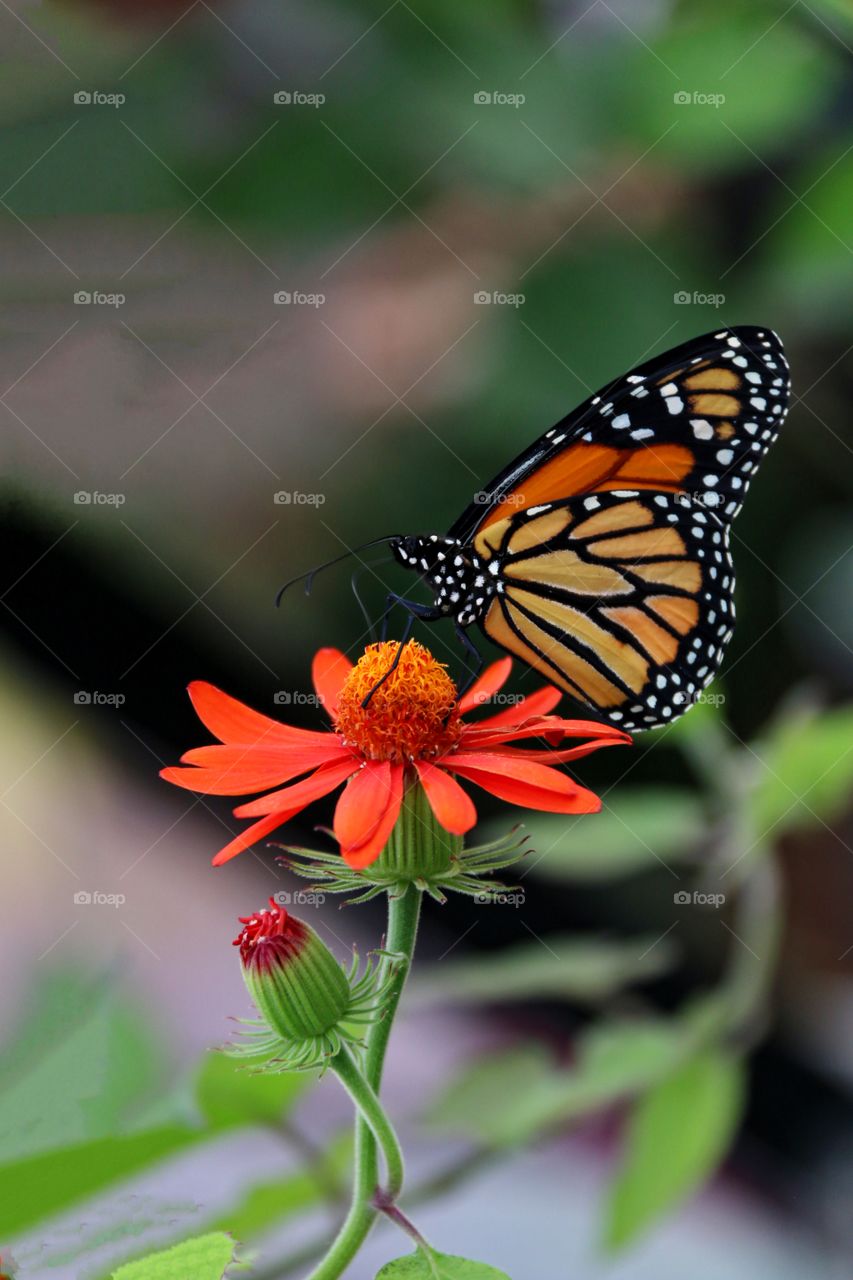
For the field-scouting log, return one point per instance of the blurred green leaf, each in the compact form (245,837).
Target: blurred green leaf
(813,240)
(566,966)
(204,1258)
(773,78)
(83,1063)
(438,1266)
(231,1095)
(269,1203)
(509,1098)
(637,830)
(806,773)
(37,1187)
(677,1134)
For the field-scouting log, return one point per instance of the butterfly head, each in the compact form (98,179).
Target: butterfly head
(451,569)
(421,554)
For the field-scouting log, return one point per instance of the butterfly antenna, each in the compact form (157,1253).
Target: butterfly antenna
(354,581)
(309,576)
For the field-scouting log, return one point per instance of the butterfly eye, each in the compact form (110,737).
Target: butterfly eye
(406,549)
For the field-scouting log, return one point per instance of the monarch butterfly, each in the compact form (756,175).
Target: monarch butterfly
(600,555)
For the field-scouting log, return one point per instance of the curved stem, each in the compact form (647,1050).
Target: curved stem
(404,906)
(373,1114)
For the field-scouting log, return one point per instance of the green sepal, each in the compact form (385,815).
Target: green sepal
(462,872)
(364,1004)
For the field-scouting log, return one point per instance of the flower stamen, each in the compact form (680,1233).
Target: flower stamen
(413,714)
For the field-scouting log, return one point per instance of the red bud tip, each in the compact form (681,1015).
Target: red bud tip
(270,936)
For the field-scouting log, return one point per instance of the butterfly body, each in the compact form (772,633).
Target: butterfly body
(600,556)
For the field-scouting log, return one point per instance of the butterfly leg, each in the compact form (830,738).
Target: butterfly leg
(471,649)
(427,613)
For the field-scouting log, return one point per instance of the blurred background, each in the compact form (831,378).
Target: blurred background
(279,279)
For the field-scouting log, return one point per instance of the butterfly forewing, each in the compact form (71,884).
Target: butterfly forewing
(622,598)
(698,419)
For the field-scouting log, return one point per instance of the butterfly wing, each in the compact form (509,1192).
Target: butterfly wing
(698,419)
(622,598)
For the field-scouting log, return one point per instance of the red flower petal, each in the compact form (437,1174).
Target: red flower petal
(537,786)
(452,806)
(329,670)
(535,704)
(492,679)
(295,797)
(529,796)
(554,756)
(360,856)
(362,803)
(234,771)
(233,722)
(518,767)
(249,837)
(551,728)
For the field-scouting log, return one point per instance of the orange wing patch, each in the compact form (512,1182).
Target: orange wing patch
(585,468)
(659,644)
(641,546)
(714,405)
(629,515)
(716,378)
(679,613)
(567,570)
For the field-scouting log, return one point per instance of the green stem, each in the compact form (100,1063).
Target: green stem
(373,1115)
(404,905)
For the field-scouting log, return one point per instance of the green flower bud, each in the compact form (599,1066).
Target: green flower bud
(292,976)
(310,1007)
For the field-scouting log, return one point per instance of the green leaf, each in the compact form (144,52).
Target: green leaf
(562,966)
(638,830)
(507,1099)
(204,1258)
(761,101)
(34,1188)
(83,1064)
(267,1204)
(677,1135)
(806,773)
(229,1095)
(438,1266)
(94,1057)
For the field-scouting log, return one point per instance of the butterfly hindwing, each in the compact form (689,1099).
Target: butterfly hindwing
(699,419)
(623,598)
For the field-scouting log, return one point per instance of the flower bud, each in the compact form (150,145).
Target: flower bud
(292,976)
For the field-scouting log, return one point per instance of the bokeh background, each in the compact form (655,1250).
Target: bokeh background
(281,278)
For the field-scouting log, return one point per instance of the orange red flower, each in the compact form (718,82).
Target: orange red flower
(411,732)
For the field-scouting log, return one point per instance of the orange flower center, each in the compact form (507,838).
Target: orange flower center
(412,715)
